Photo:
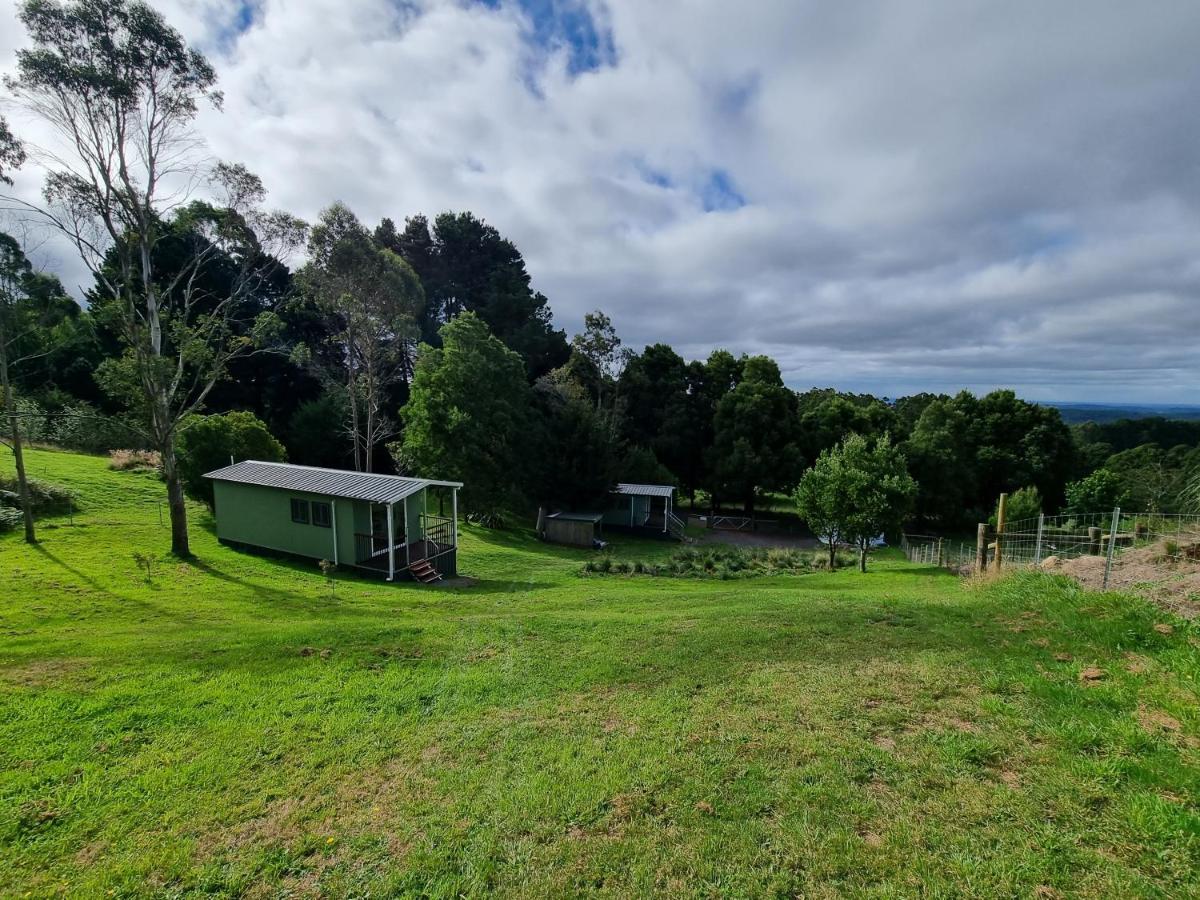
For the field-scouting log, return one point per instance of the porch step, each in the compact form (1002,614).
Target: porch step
(424,572)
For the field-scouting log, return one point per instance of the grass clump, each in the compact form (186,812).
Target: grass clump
(134,461)
(45,497)
(10,518)
(720,561)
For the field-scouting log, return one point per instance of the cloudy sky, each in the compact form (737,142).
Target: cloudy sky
(883,196)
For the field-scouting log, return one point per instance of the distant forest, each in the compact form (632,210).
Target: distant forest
(561,418)
(422,347)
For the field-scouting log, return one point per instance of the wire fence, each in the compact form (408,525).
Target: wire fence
(1110,535)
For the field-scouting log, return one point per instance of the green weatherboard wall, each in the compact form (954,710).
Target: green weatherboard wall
(262,517)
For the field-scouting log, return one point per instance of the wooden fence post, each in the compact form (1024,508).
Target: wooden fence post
(981,548)
(1094,541)
(1000,530)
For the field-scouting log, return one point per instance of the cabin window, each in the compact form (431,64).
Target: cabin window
(300,511)
(321,514)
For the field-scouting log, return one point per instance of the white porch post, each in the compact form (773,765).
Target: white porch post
(666,512)
(407,536)
(631,510)
(391,544)
(454,513)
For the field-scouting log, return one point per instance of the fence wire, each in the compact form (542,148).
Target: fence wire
(1029,543)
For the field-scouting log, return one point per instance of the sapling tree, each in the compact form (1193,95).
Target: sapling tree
(329,570)
(855,492)
(119,90)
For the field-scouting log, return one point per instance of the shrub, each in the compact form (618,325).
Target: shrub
(134,460)
(713,561)
(44,497)
(10,518)
(208,442)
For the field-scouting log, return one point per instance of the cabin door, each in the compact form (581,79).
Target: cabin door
(379,529)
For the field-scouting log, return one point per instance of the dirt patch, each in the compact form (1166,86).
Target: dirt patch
(1156,721)
(1010,778)
(1173,585)
(38,673)
(1092,674)
(1136,664)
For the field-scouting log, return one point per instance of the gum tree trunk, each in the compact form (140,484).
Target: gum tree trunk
(175,503)
(14,424)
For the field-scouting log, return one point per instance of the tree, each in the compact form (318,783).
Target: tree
(828,416)
(654,387)
(309,439)
(415,245)
(1021,506)
(1098,492)
(579,459)
(12,154)
(600,345)
(754,443)
(121,89)
(855,492)
(19,329)
(1152,478)
(465,265)
(941,459)
(377,297)
(468,418)
(211,442)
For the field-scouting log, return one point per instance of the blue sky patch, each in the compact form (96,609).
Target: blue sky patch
(719,194)
(569,25)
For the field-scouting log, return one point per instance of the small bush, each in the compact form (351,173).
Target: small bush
(714,561)
(44,496)
(134,460)
(10,518)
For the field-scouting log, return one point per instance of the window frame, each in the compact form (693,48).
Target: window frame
(301,503)
(325,505)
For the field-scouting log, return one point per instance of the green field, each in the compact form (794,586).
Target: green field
(228,728)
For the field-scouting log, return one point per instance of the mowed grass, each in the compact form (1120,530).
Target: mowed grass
(230,728)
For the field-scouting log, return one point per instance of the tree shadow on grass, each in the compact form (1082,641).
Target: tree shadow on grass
(105,591)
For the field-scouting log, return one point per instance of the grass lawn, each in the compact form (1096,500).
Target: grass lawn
(228,728)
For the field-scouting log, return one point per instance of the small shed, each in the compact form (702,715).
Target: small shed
(386,524)
(575,529)
(645,507)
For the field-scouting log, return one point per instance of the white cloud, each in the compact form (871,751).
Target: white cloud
(936,195)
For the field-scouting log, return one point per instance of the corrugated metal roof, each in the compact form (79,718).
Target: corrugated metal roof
(331,482)
(645,490)
(576,517)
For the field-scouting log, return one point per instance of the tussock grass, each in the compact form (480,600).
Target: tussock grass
(722,561)
(227,727)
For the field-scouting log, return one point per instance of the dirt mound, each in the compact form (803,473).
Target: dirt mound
(1172,584)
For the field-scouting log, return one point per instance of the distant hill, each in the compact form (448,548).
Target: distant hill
(1075,413)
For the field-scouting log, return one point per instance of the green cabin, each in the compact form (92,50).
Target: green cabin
(389,525)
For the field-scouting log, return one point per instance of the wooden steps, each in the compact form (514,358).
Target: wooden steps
(424,572)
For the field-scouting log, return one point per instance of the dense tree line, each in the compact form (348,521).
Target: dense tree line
(425,348)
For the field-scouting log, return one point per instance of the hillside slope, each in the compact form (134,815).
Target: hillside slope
(230,727)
